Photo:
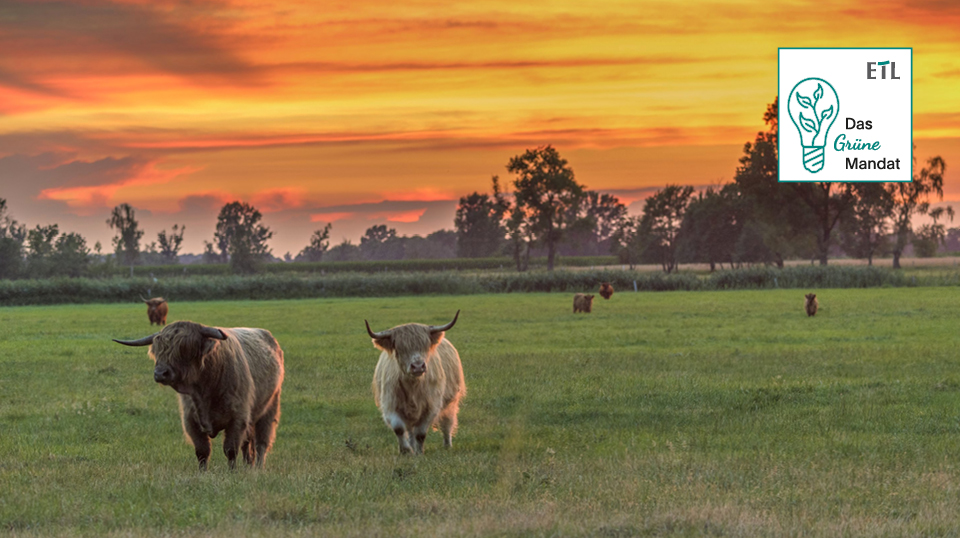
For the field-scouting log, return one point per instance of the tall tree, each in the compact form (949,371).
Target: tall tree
(828,202)
(774,215)
(592,226)
(126,243)
(40,249)
(928,238)
(711,227)
(863,229)
(480,232)
(628,241)
(12,236)
(319,244)
(545,192)
(381,243)
(344,252)
(241,236)
(170,244)
(71,255)
(914,198)
(660,224)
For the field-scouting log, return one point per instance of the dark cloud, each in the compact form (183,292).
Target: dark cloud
(182,39)
(48,170)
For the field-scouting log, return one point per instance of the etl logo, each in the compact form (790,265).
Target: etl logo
(849,127)
(872,70)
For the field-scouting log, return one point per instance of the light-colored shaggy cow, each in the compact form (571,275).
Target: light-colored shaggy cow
(418,382)
(226,380)
(582,303)
(810,304)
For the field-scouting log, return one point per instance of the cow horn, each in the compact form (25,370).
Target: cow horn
(144,300)
(372,334)
(146,341)
(212,332)
(447,327)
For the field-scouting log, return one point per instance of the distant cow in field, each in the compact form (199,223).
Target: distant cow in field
(227,379)
(418,382)
(606,290)
(582,303)
(156,310)
(811,304)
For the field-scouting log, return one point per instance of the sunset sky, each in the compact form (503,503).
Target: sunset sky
(370,112)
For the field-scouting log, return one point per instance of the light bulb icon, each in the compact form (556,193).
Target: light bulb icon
(813,106)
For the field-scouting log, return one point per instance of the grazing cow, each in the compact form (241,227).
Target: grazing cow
(582,303)
(227,379)
(606,290)
(811,304)
(418,382)
(156,310)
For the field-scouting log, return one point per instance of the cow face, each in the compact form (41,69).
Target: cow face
(178,352)
(810,297)
(411,345)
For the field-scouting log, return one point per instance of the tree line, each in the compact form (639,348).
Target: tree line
(544,211)
(752,220)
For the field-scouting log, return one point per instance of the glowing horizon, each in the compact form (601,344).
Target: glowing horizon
(376,113)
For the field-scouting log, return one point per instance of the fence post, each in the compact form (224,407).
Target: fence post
(635,286)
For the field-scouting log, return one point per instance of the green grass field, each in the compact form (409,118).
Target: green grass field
(663,414)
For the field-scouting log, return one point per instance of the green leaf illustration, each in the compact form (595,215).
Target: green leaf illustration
(808,124)
(819,93)
(826,114)
(804,101)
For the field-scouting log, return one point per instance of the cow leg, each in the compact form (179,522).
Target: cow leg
(200,440)
(419,432)
(234,436)
(266,429)
(247,447)
(400,428)
(448,425)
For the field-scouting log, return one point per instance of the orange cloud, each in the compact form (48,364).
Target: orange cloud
(273,200)
(88,198)
(330,217)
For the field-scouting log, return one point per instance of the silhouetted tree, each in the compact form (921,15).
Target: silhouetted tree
(71,255)
(913,198)
(12,237)
(863,229)
(126,243)
(241,236)
(40,248)
(545,193)
(381,243)
(712,225)
(660,224)
(344,252)
(773,213)
(927,239)
(480,232)
(170,244)
(319,243)
(593,224)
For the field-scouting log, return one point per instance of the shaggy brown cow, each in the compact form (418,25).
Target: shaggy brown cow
(606,290)
(156,310)
(811,304)
(418,382)
(227,379)
(582,303)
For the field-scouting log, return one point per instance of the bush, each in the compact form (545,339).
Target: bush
(302,286)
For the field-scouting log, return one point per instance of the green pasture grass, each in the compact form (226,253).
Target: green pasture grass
(724,413)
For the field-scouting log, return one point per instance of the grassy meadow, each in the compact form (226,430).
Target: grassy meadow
(661,414)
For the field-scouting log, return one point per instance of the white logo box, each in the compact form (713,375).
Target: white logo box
(872,85)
